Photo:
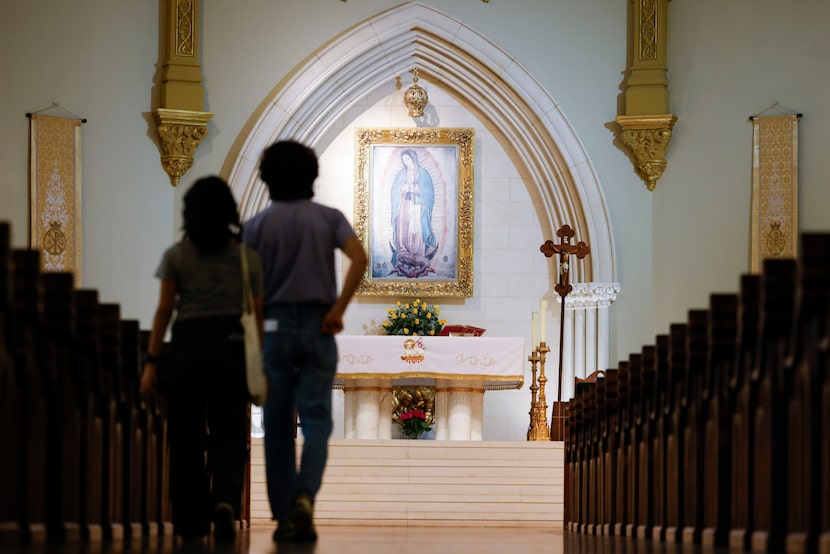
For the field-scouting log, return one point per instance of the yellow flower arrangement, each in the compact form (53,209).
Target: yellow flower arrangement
(418,318)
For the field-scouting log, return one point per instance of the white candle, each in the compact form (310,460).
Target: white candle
(543,309)
(535,322)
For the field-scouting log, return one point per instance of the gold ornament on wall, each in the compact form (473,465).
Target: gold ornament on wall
(415,97)
(648,138)
(647,123)
(179,132)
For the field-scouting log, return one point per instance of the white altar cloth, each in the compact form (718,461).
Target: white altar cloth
(461,368)
(494,362)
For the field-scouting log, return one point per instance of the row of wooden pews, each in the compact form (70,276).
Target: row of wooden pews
(82,457)
(718,433)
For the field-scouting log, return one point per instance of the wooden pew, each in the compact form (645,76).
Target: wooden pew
(620,479)
(674,433)
(723,340)
(10,405)
(134,440)
(634,432)
(111,399)
(608,444)
(81,455)
(592,448)
(64,435)
(693,405)
(87,349)
(570,470)
(599,441)
(157,502)
(769,452)
(646,414)
(742,391)
(32,386)
(804,402)
(660,418)
(580,480)
(719,434)
(824,441)
(589,465)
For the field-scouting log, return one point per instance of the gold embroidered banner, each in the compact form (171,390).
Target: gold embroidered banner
(55,187)
(774,189)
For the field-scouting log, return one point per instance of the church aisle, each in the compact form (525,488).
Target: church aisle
(391,540)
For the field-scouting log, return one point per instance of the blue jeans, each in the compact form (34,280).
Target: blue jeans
(300,361)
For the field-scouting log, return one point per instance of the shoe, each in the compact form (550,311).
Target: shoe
(224,523)
(302,516)
(192,543)
(285,532)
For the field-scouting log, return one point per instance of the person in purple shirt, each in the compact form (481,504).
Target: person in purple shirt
(297,240)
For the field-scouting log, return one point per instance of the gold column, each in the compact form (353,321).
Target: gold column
(647,123)
(181,122)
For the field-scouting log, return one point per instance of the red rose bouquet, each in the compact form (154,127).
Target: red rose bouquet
(414,422)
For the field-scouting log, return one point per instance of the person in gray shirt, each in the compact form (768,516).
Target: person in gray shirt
(297,239)
(205,381)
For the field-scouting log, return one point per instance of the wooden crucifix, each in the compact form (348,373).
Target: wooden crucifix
(565,249)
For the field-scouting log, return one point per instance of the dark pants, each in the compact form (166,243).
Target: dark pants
(207,418)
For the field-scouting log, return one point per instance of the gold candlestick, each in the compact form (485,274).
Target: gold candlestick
(531,428)
(539,426)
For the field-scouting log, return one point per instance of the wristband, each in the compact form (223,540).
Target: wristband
(150,359)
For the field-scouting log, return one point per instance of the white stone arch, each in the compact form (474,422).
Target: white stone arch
(317,101)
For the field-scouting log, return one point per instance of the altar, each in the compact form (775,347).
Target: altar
(460,368)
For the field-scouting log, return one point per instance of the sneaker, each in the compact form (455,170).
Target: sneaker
(224,523)
(302,516)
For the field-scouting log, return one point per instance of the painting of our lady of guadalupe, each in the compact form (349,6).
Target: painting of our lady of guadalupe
(414,210)
(415,202)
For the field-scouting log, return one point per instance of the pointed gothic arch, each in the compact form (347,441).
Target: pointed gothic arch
(313,104)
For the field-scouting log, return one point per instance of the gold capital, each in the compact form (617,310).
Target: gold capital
(179,132)
(648,137)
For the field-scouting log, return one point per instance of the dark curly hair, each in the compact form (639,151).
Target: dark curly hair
(211,218)
(289,169)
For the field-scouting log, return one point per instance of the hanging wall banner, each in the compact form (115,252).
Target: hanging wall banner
(774,188)
(55,186)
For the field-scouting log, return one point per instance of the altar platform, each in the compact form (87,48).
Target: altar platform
(460,368)
(432,483)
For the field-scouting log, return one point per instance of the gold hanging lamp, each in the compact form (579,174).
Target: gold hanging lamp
(415,97)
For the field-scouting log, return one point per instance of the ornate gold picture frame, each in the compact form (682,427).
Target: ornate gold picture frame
(414,211)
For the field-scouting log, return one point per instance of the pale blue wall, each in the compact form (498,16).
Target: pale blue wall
(675,246)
